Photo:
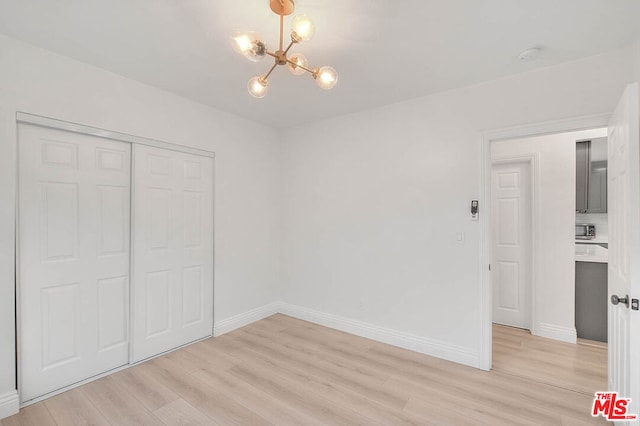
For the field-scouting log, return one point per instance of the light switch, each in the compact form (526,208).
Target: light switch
(460,237)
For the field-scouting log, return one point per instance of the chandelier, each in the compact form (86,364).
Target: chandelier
(251,46)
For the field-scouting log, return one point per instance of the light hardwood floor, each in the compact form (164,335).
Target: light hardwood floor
(285,371)
(581,367)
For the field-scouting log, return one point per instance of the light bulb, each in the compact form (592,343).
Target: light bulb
(258,87)
(326,77)
(302,28)
(250,46)
(300,61)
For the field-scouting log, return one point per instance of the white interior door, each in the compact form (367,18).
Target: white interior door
(74,193)
(624,247)
(511,227)
(173,250)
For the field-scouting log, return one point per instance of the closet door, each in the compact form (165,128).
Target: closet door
(74,204)
(172,250)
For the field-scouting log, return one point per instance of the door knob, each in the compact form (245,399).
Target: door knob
(615,300)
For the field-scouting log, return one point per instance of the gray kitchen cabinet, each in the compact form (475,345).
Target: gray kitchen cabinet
(591,301)
(582,175)
(597,200)
(591,176)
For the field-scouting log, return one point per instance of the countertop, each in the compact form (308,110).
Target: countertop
(597,240)
(590,252)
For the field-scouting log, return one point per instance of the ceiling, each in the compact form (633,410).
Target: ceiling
(385,51)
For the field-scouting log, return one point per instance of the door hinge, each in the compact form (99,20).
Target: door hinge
(489,266)
(635,304)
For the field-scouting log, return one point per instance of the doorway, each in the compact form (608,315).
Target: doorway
(531,226)
(486,294)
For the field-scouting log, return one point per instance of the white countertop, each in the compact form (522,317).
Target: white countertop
(591,253)
(597,240)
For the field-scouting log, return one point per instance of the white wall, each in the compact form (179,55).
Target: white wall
(636,62)
(372,201)
(247,187)
(554,238)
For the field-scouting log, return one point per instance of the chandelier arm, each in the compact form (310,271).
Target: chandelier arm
(312,72)
(281,30)
(271,54)
(289,47)
(270,71)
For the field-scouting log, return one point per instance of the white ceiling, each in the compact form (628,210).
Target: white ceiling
(385,51)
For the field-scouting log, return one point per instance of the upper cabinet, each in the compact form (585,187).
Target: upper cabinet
(591,176)
(582,175)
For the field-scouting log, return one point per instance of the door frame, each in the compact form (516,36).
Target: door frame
(533,160)
(53,123)
(486,138)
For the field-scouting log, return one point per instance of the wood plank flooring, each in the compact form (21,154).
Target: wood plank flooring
(581,367)
(286,371)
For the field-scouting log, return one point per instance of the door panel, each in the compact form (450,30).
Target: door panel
(157,306)
(113,219)
(73,257)
(112,311)
(624,247)
(59,223)
(173,250)
(192,212)
(60,324)
(192,295)
(159,218)
(511,198)
(508,294)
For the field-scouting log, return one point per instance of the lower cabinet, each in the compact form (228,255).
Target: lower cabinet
(591,301)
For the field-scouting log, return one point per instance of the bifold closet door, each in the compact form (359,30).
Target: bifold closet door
(172,250)
(74,204)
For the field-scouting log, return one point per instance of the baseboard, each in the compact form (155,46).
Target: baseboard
(245,318)
(9,404)
(555,332)
(423,345)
